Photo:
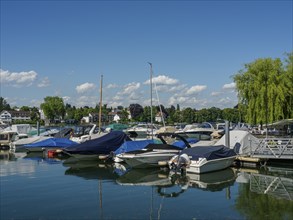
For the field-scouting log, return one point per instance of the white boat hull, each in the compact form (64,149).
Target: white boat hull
(153,159)
(204,166)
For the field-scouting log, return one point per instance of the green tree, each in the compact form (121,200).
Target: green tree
(35,115)
(25,108)
(214,114)
(124,116)
(261,87)
(78,114)
(53,107)
(288,81)
(70,111)
(135,111)
(171,119)
(188,115)
(202,115)
(230,114)
(4,105)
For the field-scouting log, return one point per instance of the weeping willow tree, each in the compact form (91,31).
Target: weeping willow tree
(288,80)
(265,89)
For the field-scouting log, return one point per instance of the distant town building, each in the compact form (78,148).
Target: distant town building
(160,116)
(93,117)
(8,117)
(115,115)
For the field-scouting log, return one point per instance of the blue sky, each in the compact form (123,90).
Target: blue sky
(61,48)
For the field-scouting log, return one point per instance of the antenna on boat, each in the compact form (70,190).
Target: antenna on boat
(100,110)
(151,84)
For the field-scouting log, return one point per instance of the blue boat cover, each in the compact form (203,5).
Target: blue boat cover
(102,145)
(208,152)
(133,145)
(182,145)
(140,144)
(52,142)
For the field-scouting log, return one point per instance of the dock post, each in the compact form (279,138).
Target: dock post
(227,134)
(38,128)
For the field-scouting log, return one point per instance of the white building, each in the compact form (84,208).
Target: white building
(5,117)
(8,117)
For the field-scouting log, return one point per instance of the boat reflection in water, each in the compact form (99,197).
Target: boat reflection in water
(159,182)
(41,157)
(90,169)
(145,177)
(6,155)
(213,181)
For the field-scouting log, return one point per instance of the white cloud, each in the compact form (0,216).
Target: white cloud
(44,83)
(229,86)
(66,99)
(17,79)
(216,93)
(86,101)
(130,88)
(177,88)
(163,80)
(112,86)
(85,87)
(196,89)
(35,102)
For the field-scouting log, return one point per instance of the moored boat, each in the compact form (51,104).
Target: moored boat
(49,144)
(98,148)
(203,159)
(154,155)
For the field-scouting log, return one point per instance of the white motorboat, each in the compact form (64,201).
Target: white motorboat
(200,131)
(142,130)
(29,140)
(86,132)
(203,159)
(154,154)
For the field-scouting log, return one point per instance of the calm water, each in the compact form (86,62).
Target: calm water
(36,188)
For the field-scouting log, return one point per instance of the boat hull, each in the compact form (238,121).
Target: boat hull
(147,160)
(205,166)
(41,149)
(86,157)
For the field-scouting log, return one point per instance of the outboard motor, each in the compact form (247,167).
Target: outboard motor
(183,162)
(179,162)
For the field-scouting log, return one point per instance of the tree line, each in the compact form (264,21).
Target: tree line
(54,108)
(264,89)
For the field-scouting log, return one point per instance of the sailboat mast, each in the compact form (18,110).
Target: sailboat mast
(151,85)
(100,110)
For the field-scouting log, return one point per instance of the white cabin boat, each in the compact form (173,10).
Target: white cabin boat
(142,130)
(200,131)
(203,159)
(155,154)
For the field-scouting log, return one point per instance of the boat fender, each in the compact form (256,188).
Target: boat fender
(162,163)
(103,157)
(51,153)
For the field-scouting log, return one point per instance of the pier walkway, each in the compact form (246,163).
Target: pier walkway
(274,148)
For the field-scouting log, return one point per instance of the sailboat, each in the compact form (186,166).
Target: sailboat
(100,147)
